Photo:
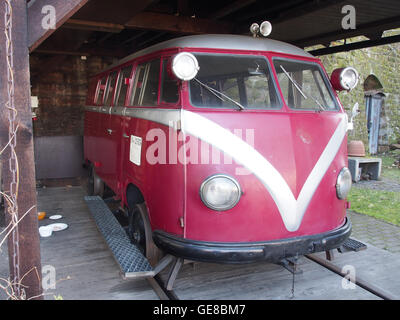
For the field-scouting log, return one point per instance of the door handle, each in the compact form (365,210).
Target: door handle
(125,136)
(109,131)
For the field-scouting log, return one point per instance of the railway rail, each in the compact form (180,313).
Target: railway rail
(163,293)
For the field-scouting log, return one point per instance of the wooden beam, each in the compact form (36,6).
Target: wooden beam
(183,8)
(134,37)
(24,246)
(259,9)
(64,10)
(305,9)
(113,11)
(102,52)
(285,11)
(382,25)
(177,24)
(355,46)
(230,8)
(93,26)
(150,39)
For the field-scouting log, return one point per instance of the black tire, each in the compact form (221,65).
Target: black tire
(90,182)
(95,186)
(136,229)
(139,228)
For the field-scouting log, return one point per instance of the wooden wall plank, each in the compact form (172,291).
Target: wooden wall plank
(27,238)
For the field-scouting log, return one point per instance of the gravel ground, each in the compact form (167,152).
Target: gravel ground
(382,184)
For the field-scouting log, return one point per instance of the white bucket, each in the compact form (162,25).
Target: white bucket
(45,231)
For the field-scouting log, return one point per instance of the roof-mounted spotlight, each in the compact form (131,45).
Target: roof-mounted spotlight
(264,29)
(254,28)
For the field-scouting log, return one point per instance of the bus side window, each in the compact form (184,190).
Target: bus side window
(110,88)
(151,82)
(169,86)
(100,90)
(137,85)
(122,86)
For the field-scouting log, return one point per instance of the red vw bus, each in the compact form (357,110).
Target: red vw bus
(223,148)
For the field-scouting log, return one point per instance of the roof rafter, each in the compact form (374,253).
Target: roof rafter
(178,24)
(355,45)
(230,8)
(63,9)
(363,29)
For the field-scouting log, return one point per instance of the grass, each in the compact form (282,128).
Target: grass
(383,205)
(389,170)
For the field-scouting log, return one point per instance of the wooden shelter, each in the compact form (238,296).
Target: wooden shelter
(50,31)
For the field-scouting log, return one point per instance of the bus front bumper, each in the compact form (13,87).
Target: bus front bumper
(247,252)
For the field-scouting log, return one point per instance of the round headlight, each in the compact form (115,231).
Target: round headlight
(185,66)
(220,192)
(349,78)
(343,183)
(344,79)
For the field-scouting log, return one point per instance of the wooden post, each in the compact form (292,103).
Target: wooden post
(28,253)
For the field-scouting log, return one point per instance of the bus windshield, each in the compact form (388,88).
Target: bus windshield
(304,86)
(234,82)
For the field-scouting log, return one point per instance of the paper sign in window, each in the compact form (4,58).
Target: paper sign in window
(135,150)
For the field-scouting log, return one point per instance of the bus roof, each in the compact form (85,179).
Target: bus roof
(220,41)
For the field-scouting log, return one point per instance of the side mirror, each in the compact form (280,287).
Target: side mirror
(354,112)
(344,79)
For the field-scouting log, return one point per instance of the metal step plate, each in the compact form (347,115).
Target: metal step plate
(354,245)
(131,260)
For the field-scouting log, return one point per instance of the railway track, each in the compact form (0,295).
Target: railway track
(160,289)
(375,290)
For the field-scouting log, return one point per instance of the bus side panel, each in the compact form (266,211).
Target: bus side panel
(90,124)
(161,181)
(112,170)
(103,145)
(90,130)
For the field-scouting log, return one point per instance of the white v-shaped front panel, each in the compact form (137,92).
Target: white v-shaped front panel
(291,210)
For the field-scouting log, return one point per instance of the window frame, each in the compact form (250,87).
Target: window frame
(132,90)
(119,85)
(167,59)
(99,84)
(324,77)
(272,79)
(106,91)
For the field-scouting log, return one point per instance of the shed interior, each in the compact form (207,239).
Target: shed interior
(101,32)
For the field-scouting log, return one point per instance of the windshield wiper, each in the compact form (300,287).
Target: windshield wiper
(298,88)
(219,94)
